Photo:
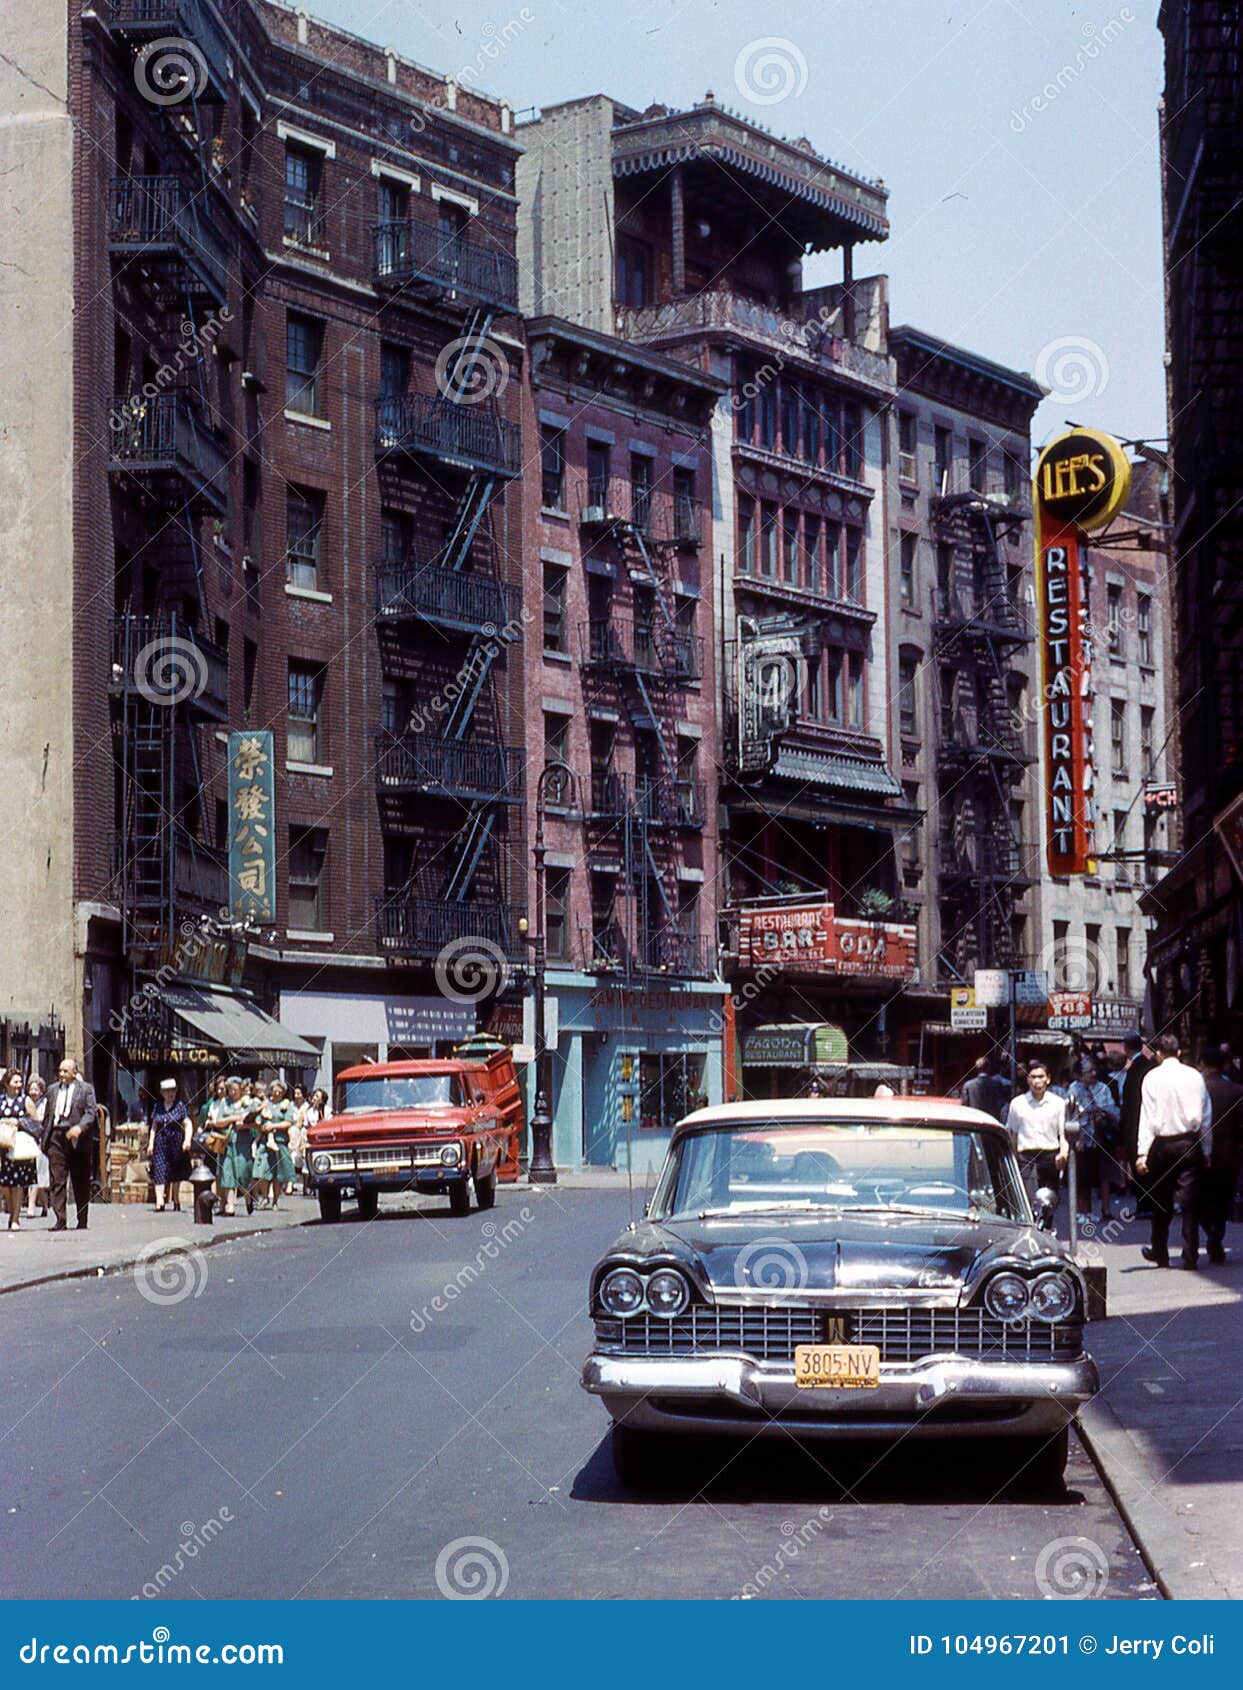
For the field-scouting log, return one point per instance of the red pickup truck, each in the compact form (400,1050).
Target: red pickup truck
(429,1126)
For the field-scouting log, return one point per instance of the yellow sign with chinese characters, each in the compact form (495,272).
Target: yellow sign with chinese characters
(252,829)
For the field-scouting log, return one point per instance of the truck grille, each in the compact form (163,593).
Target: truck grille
(901,1334)
(401,1155)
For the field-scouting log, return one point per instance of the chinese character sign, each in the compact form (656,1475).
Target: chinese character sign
(252,832)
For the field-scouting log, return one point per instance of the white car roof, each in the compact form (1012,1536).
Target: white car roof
(899,1111)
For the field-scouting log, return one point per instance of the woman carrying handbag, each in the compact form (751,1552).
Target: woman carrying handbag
(18,1151)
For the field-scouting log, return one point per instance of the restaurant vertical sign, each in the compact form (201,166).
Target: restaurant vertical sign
(1082,481)
(252,833)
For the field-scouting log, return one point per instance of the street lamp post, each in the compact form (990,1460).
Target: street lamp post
(542,1170)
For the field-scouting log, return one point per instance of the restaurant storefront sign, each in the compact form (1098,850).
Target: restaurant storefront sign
(812,938)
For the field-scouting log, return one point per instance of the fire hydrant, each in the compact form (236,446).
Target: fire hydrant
(202,1179)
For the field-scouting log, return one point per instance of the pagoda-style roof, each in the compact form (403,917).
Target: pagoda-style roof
(819,203)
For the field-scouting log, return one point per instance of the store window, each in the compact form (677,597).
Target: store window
(669,1088)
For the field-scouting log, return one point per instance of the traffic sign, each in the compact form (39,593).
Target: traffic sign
(992,988)
(1031,986)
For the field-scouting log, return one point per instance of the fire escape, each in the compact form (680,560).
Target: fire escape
(448,788)
(981,754)
(639,664)
(169,463)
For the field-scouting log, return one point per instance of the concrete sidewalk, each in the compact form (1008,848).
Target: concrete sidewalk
(1166,1430)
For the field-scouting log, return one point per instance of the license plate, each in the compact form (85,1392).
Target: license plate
(838,1367)
(385,1168)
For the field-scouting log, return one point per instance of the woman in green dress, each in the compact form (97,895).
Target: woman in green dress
(273,1158)
(236,1161)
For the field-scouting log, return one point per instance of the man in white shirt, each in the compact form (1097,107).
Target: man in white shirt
(1037,1123)
(1175,1136)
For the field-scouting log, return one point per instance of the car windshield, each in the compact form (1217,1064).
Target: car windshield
(799,1167)
(403,1091)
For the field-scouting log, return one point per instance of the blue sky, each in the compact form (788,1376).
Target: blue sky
(1018,140)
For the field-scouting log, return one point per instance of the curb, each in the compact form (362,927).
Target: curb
(1164,1543)
(101,1270)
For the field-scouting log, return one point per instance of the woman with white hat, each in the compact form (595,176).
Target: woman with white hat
(168,1143)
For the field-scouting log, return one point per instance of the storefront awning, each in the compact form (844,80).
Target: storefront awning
(795,1044)
(231,1024)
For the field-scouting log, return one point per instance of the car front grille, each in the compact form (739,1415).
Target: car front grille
(901,1334)
(401,1155)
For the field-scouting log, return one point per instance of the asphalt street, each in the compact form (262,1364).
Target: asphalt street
(329,1411)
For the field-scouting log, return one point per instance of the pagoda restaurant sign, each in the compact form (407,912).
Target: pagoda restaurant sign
(812,938)
(1082,482)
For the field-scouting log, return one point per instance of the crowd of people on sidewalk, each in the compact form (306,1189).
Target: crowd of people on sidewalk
(251,1134)
(1167,1132)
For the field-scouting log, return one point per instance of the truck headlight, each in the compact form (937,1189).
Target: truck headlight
(621,1292)
(451,1155)
(321,1162)
(1053,1297)
(1005,1296)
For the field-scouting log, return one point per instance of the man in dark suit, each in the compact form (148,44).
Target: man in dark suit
(1140,1062)
(70,1129)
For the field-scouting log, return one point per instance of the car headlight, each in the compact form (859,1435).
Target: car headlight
(321,1163)
(667,1293)
(1005,1296)
(621,1292)
(451,1155)
(1053,1296)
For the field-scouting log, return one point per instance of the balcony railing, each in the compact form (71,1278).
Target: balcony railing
(160,216)
(471,436)
(445,598)
(665,951)
(993,613)
(192,21)
(169,663)
(648,648)
(424,763)
(423,927)
(167,436)
(602,948)
(200,873)
(670,803)
(415,254)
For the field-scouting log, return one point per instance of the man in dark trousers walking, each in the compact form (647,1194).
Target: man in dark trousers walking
(1218,1181)
(70,1128)
(1175,1139)
(1139,1062)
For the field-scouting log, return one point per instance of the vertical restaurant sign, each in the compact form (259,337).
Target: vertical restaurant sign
(252,833)
(1082,481)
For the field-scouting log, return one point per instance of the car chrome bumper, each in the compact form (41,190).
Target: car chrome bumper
(938,1397)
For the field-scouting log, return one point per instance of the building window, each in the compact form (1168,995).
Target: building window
(393,711)
(978,465)
(1143,628)
(912,838)
(908,701)
(906,568)
(789,548)
(790,406)
(833,559)
(552,466)
(768,415)
(943,461)
(1113,617)
(396,536)
(835,691)
(598,466)
(669,1088)
(831,418)
(813,701)
(811,430)
(852,430)
(555,580)
(306,689)
(641,490)
(1147,750)
(304,342)
(853,571)
(945,576)
(394,370)
(304,515)
(557,912)
(813,559)
(685,516)
(634,272)
(745,401)
(392,208)
(556,738)
(1014,471)
(745,547)
(768,541)
(1122,940)
(854,690)
(908,462)
(304,170)
(308,846)
(1117,735)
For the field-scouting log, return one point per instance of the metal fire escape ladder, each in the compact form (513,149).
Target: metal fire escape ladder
(478,832)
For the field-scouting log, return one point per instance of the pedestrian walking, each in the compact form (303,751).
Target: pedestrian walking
(1139,1062)
(236,1160)
(1175,1136)
(1096,1147)
(986,1090)
(17,1170)
(169,1131)
(70,1131)
(274,1170)
(36,1109)
(1220,1176)
(1037,1124)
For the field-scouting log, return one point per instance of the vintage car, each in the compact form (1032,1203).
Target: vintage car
(426,1125)
(840,1269)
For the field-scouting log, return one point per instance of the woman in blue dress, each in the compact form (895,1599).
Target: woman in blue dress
(236,1161)
(168,1144)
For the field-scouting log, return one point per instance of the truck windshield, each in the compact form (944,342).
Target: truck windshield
(405,1091)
